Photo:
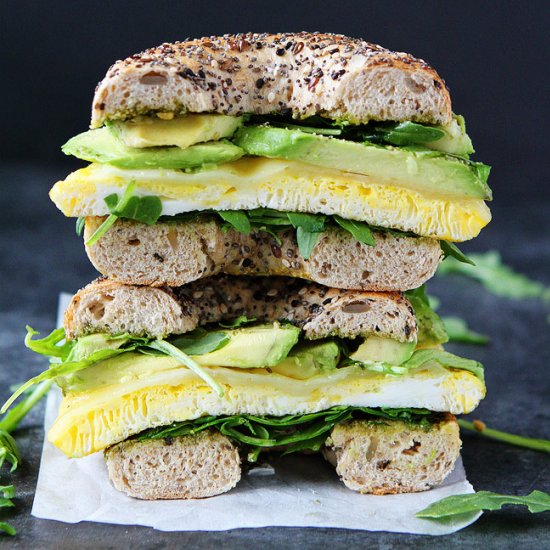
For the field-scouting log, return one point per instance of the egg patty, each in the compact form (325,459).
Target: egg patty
(155,391)
(282,185)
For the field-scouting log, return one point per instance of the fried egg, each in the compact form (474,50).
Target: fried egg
(145,391)
(282,185)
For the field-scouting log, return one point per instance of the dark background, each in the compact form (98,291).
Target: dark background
(494,57)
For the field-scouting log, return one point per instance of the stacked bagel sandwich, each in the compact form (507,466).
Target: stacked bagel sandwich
(264,211)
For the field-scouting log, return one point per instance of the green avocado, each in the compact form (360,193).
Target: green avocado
(308,359)
(455,141)
(182,131)
(376,349)
(415,167)
(252,347)
(104,147)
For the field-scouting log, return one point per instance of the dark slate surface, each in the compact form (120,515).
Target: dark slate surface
(40,255)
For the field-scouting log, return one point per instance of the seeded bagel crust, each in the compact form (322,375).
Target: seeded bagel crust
(107,306)
(303,74)
(389,457)
(174,254)
(192,466)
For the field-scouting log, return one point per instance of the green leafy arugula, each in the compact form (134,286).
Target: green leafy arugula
(536,502)
(309,227)
(361,231)
(7,492)
(512,439)
(142,209)
(308,230)
(295,432)
(431,330)
(458,331)
(9,451)
(69,357)
(450,250)
(410,133)
(496,277)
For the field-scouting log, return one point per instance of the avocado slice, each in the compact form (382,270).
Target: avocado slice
(308,359)
(418,168)
(455,141)
(252,347)
(376,349)
(104,147)
(182,131)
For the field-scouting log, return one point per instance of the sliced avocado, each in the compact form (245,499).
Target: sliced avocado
(182,131)
(414,167)
(376,349)
(455,141)
(253,347)
(105,148)
(308,359)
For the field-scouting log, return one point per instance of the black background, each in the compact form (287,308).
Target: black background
(493,55)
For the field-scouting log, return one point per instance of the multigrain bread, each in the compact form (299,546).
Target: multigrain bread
(112,307)
(388,457)
(174,254)
(304,74)
(375,457)
(183,467)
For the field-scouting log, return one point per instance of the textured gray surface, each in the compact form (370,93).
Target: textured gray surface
(40,255)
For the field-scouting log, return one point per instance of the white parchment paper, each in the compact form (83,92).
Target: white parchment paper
(293,491)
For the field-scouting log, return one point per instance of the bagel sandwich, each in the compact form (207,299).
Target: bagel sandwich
(319,152)
(181,387)
(264,211)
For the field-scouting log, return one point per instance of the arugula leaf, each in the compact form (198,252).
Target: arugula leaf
(9,450)
(236,219)
(62,369)
(112,218)
(310,223)
(308,230)
(296,432)
(451,250)
(431,330)
(518,440)
(536,502)
(7,528)
(14,416)
(268,216)
(458,331)
(176,353)
(496,277)
(360,230)
(49,344)
(407,133)
(238,322)
(79,227)
(8,447)
(306,241)
(445,359)
(142,209)
(201,342)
